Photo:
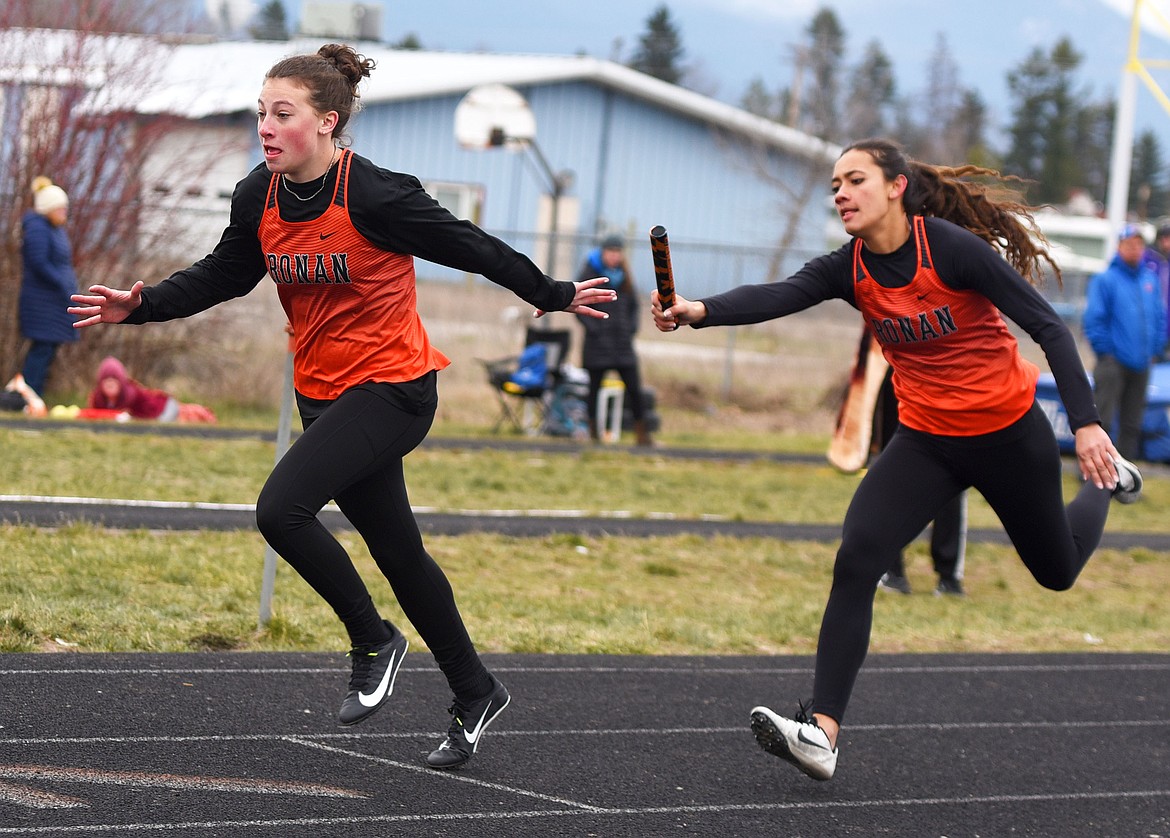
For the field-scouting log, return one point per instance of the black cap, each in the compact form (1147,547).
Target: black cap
(612,243)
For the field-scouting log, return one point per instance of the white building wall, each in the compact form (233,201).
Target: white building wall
(187,187)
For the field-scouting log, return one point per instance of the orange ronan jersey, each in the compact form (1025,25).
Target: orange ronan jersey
(957,369)
(352,306)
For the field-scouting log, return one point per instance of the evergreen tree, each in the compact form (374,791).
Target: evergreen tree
(940,103)
(409,41)
(812,103)
(1094,144)
(944,123)
(872,94)
(758,100)
(1147,184)
(1028,85)
(270,23)
(1061,172)
(1046,116)
(969,130)
(826,63)
(660,51)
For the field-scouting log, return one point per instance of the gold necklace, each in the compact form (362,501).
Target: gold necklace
(324,179)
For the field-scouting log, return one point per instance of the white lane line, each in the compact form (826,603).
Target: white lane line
(607,813)
(916,725)
(150,504)
(446,774)
(186,671)
(617,514)
(687,671)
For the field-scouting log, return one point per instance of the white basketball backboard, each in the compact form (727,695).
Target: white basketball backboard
(493,115)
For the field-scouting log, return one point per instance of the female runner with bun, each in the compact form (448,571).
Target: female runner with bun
(338,235)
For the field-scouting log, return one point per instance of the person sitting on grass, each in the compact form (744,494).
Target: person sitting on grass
(117,391)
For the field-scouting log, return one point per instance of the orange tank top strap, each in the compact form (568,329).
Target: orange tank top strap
(270,198)
(341,190)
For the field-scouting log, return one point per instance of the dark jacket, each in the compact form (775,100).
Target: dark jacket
(48,282)
(609,344)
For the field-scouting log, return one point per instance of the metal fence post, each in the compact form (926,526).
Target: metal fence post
(283,433)
(729,349)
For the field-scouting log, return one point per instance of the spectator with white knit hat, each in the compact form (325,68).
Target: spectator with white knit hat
(48,281)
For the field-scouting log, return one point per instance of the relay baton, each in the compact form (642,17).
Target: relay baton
(663,276)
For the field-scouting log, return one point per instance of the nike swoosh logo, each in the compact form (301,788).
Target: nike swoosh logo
(800,735)
(472,735)
(378,694)
(325,236)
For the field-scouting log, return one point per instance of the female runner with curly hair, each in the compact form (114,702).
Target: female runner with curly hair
(925,268)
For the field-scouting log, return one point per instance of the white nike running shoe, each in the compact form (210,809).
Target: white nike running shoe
(468,722)
(800,741)
(371,681)
(1129,481)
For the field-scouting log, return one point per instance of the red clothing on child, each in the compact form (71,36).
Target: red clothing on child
(140,402)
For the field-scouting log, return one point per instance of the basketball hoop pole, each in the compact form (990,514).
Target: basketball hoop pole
(558,184)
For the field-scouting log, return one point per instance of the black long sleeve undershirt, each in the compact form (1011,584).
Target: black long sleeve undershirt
(963,261)
(390,209)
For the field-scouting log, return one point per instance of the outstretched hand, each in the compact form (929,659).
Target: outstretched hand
(684,312)
(1095,454)
(105,305)
(588,293)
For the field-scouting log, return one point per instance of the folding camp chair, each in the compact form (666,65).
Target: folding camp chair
(523,399)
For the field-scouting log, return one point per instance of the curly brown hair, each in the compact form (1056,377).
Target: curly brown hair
(331,77)
(981,200)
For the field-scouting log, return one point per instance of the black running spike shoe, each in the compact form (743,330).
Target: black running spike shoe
(468,723)
(371,681)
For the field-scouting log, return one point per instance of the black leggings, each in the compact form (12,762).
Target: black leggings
(351,452)
(1018,472)
(633,394)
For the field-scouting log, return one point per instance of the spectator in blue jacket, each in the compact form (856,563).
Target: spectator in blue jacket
(609,343)
(1125,323)
(48,281)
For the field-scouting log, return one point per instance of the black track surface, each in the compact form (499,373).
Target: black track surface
(247,745)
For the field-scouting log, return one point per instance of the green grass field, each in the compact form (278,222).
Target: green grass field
(89,589)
